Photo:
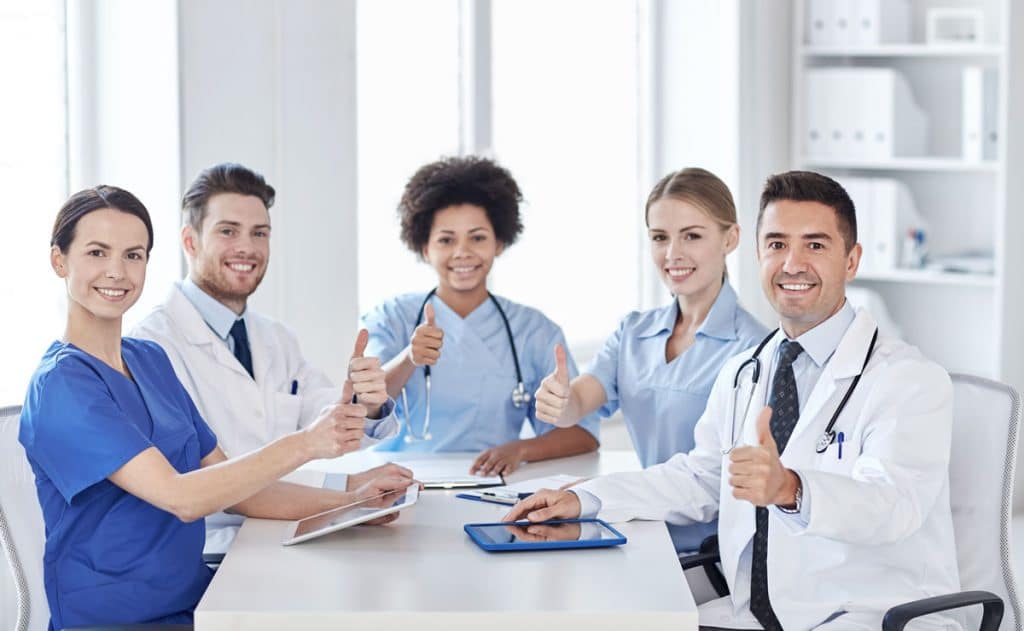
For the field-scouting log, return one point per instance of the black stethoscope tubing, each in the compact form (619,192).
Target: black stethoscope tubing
(829,435)
(508,332)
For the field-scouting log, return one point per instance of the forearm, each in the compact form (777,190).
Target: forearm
(586,395)
(219,485)
(284,500)
(562,441)
(397,372)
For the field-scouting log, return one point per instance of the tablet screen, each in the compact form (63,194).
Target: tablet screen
(351,512)
(522,532)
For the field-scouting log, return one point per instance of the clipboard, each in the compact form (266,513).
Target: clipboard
(449,473)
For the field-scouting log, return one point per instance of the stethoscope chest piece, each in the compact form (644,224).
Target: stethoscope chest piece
(520,397)
(825,440)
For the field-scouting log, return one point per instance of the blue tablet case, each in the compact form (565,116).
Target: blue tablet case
(491,546)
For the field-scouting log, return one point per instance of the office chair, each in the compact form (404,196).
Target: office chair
(986,423)
(22,538)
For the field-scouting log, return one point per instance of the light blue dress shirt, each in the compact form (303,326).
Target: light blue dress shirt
(662,401)
(471,384)
(219,318)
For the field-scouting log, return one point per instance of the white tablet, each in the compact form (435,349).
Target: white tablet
(351,514)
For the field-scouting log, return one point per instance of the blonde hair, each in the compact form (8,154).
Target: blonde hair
(699,187)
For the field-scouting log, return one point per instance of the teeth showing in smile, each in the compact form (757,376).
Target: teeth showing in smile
(241,267)
(113,293)
(796,286)
(680,273)
(463,270)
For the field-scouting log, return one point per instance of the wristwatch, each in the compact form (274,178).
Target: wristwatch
(798,497)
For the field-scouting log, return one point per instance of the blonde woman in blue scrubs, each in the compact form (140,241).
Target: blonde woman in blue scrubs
(659,365)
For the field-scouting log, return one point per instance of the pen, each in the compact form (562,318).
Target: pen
(840,438)
(508,496)
(295,386)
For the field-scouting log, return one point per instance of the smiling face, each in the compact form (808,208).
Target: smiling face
(461,248)
(804,263)
(229,258)
(104,266)
(688,247)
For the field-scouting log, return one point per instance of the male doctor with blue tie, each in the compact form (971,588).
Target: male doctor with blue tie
(829,513)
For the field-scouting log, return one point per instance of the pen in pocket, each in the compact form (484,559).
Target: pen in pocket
(295,386)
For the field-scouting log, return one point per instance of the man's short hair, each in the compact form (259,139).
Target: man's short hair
(226,177)
(807,186)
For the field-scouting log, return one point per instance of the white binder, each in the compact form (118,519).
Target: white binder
(978,98)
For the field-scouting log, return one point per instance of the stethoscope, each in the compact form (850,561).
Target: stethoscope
(754,362)
(520,397)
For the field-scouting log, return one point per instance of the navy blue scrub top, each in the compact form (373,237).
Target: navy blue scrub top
(111,557)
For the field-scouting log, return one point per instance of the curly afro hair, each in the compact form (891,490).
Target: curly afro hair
(454,181)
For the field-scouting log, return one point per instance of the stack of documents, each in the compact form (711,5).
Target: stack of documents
(885,212)
(857,22)
(861,114)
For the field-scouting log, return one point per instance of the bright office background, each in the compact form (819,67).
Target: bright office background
(588,103)
(338,103)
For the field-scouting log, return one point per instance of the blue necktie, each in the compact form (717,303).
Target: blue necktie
(785,412)
(241,338)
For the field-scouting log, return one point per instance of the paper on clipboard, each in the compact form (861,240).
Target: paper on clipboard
(527,487)
(449,473)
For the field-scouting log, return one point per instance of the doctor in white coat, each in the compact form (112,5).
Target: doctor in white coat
(854,518)
(245,372)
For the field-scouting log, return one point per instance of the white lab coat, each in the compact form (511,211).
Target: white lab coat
(245,412)
(879,530)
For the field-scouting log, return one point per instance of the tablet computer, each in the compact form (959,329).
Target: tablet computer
(350,515)
(544,535)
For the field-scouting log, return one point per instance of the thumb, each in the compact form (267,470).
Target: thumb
(764,431)
(346,392)
(361,341)
(561,369)
(428,313)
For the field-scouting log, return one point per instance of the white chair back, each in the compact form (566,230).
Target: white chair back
(22,535)
(986,422)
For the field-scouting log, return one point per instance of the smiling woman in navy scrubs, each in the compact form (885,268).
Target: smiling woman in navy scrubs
(125,467)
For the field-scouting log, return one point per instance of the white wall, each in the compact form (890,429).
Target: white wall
(272,85)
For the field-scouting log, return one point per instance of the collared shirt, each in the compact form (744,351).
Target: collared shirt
(219,318)
(661,401)
(819,344)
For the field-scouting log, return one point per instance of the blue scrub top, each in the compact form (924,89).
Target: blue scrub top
(661,402)
(111,557)
(471,385)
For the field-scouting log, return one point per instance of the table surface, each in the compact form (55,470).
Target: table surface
(423,572)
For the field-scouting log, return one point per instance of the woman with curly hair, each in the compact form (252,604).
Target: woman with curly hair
(461,362)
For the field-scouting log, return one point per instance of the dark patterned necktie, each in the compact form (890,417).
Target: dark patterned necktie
(241,337)
(785,411)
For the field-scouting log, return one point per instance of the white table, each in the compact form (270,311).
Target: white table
(423,572)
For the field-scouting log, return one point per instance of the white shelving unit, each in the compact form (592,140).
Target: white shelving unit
(968,322)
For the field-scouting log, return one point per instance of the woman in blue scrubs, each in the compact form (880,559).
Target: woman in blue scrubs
(480,355)
(659,365)
(125,467)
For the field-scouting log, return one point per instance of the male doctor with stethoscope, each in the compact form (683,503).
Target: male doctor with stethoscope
(853,517)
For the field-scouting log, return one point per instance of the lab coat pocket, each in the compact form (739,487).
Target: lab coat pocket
(286,412)
(840,455)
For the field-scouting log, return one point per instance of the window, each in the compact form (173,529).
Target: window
(565,124)
(563,120)
(33,176)
(408,114)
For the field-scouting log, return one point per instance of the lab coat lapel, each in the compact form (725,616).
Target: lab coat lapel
(197,333)
(845,364)
(262,353)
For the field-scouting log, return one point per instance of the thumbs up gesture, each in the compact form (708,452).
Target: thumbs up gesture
(756,473)
(554,394)
(425,345)
(367,377)
(339,428)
